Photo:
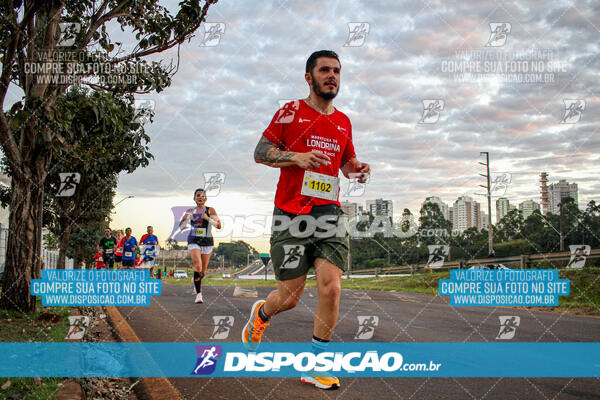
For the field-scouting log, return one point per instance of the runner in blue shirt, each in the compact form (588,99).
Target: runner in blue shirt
(150,253)
(129,244)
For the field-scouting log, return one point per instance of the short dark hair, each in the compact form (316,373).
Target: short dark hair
(198,190)
(312,60)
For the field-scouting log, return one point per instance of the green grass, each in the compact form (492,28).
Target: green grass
(19,327)
(584,297)
(421,283)
(29,390)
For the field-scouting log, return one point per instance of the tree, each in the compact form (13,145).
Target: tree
(236,252)
(83,241)
(509,227)
(433,226)
(46,46)
(406,220)
(535,231)
(570,217)
(105,139)
(470,244)
(589,226)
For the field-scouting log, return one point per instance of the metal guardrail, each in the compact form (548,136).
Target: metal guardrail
(524,261)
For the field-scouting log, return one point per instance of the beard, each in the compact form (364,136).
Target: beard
(319,91)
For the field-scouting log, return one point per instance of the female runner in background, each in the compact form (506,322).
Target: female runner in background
(200,239)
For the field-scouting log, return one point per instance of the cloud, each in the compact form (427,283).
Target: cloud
(223,97)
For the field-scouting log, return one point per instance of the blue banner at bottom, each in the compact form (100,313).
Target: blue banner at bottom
(292,359)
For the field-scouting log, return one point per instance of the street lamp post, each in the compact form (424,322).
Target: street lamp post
(561,232)
(122,200)
(489,200)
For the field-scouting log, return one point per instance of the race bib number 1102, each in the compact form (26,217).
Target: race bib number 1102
(320,186)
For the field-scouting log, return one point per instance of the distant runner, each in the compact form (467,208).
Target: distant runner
(119,249)
(107,247)
(150,251)
(99,261)
(129,244)
(200,239)
(310,141)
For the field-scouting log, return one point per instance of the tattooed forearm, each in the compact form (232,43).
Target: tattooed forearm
(267,153)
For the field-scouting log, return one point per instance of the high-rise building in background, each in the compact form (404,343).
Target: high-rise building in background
(451,216)
(502,208)
(381,207)
(558,191)
(443,206)
(350,209)
(484,221)
(465,214)
(528,207)
(544,192)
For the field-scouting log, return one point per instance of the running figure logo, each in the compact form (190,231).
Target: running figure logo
(437,255)
(287,112)
(579,253)
(355,188)
(498,34)
(508,327)
(178,235)
(223,324)
(292,255)
(144,110)
(573,110)
(213,182)
(358,34)
(431,111)
(68,33)
(207,359)
(212,33)
(68,183)
(499,183)
(366,326)
(77,326)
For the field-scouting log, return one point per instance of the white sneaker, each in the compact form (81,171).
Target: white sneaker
(199,298)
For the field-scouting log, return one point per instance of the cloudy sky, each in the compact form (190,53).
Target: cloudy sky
(225,94)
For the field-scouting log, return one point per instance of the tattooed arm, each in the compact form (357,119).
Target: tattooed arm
(267,153)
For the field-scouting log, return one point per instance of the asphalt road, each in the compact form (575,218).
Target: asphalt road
(403,317)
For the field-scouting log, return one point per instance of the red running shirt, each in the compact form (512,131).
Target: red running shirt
(298,128)
(99,261)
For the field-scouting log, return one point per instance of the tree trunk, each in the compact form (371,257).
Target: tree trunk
(71,211)
(24,245)
(24,242)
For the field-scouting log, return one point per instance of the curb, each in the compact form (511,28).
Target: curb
(153,388)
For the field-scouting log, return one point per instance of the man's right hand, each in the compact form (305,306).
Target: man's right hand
(311,160)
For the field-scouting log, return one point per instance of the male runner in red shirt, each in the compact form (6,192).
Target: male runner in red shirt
(310,141)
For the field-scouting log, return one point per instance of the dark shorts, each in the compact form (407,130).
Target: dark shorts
(109,260)
(129,263)
(295,246)
(118,258)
